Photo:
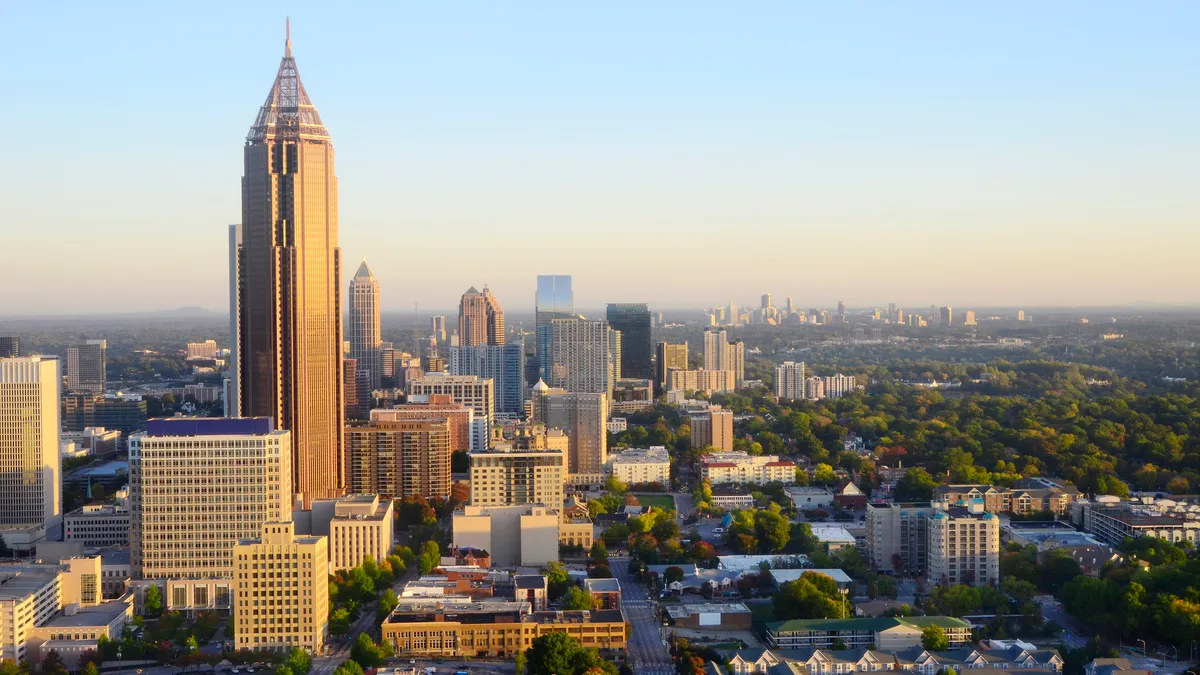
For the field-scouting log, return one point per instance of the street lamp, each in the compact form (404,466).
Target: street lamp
(1143,647)
(118,660)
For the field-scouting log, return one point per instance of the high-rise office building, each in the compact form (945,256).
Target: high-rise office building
(363,324)
(789,380)
(669,357)
(437,327)
(290,324)
(480,319)
(713,427)
(1020,315)
(87,367)
(399,459)
(282,590)
(503,364)
(10,346)
(30,466)
(946,317)
(969,318)
(554,300)
(766,301)
(199,485)
(732,315)
(583,417)
(232,393)
(530,468)
(789,308)
(841,308)
(632,320)
(475,392)
(585,356)
(719,354)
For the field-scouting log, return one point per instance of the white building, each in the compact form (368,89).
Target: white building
(789,380)
(586,356)
(617,424)
(837,386)
(964,546)
(719,354)
(202,350)
(477,393)
(636,467)
(740,467)
(30,463)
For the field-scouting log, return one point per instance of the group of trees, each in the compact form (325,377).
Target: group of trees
(761,530)
(812,596)
(350,589)
(560,654)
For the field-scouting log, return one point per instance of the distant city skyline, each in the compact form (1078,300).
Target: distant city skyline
(964,156)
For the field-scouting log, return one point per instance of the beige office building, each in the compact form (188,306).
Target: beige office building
(30,595)
(708,381)
(669,357)
(289,276)
(30,463)
(362,325)
(964,546)
(529,469)
(584,419)
(399,459)
(361,527)
(477,393)
(514,535)
(899,533)
(480,319)
(713,427)
(282,590)
(641,467)
(197,486)
(719,354)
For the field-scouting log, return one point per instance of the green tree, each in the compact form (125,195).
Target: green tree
(299,661)
(772,529)
(560,654)
(599,553)
(431,557)
(191,644)
(915,486)
(283,669)
(387,602)
(519,664)
(368,654)
(339,621)
(90,669)
(557,579)
(933,638)
(577,598)
(823,474)
(153,601)
(805,599)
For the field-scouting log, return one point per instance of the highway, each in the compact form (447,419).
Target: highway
(647,653)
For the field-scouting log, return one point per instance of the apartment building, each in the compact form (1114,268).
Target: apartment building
(434,628)
(739,467)
(361,526)
(197,486)
(460,419)
(708,381)
(399,459)
(642,466)
(582,417)
(898,536)
(964,546)
(527,469)
(1113,526)
(713,427)
(884,633)
(720,354)
(282,590)
(477,393)
(789,380)
(1018,500)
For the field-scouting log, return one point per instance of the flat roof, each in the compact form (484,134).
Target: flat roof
(832,532)
(98,615)
(210,426)
(602,585)
(19,582)
(683,611)
(784,576)
(116,556)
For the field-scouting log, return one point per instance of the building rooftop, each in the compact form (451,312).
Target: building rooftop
(529,581)
(97,615)
(577,616)
(784,576)
(832,533)
(871,624)
(602,585)
(684,611)
(17,582)
(654,455)
(116,556)
(210,426)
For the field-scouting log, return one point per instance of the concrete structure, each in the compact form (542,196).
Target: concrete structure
(115,572)
(709,616)
(529,469)
(504,364)
(554,300)
(730,497)
(438,628)
(945,317)
(99,525)
(964,546)
(87,367)
(833,536)
(632,320)
(513,535)
(811,497)
(480,319)
(361,527)
(714,427)
(642,466)
(789,381)
(76,632)
(399,459)
(290,275)
(582,417)
(719,354)
(739,467)
(999,499)
(197,486)
(586,356)
(362,324)
(668,357)
(476,393)
(899,533)
(29,597)
(708,381)
(460,419)
(616,425)
(30,463)
(885,633)
(202,350)
(282,597)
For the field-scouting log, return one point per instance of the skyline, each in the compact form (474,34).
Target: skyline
(681,133)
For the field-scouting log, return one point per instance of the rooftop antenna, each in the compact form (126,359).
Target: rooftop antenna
(287,49)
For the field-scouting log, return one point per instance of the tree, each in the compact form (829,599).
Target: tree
(339,621)
(387,602)
(672,574)
(283,669)
(916,485)
(153,601)
(804,598)
(368,654)
(557,579)
(431,557)
(90,669)
(299,661)
(599,553)
(191,644)
(560,654)
(52,664)
(577,598)
(519,664)
(348,667)
(11,667)
(823,474)
(933,638)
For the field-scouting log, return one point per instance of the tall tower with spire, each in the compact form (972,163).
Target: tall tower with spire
(363,327)
(289,280)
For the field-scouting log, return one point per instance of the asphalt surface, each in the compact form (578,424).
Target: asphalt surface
(647,651)
(1052,610)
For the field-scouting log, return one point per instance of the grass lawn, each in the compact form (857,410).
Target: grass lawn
(665,502)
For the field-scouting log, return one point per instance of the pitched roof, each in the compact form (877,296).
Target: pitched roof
(364,272)
(288,111)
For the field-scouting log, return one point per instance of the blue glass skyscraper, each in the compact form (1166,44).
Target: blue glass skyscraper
(554,300)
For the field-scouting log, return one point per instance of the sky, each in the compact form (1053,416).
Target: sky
(685,154)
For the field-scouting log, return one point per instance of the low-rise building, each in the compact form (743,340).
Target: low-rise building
(115,572)
(833,536)
(642,466)
(282,597)
(617,424)
(849,496)
(361,527)
(30,595)
(576,531)
(435,628)
(525,535)
(1112,526)
(991,657)
(1056,498)
(532,588)
(709,616)
(811,497)
(98,525)
(605,592)
(730,497)
(740,467)
(885,633)
(75,632)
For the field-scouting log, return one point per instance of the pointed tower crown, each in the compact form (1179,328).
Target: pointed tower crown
(364,272)
(288,111)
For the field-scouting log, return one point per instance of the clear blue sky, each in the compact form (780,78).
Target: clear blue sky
(681,153)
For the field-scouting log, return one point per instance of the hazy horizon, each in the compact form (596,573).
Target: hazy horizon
(683,155)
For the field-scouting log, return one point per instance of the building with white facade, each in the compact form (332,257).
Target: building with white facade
(30,463)
(639,467)
(964,546)
(789,380)
(585,356)
(477,393)
(740,467)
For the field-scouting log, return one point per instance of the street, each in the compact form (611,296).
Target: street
(1053,611)
(648,653)
(326,664)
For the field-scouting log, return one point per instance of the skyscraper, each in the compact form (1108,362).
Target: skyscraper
(633,321)
(30,467)
(946,316)
(789,380)
(87,367)
(365,342)
(554,300)
(291,319)
(480,319)
(669,357)
(585,354)
(719,354)
(583,417)
(10,346)
(766,301)
(437,327)
(504,364)
(232,393)
(399,459)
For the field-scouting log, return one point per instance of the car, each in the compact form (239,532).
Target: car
(718,530)
(249,670)
(235,671)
